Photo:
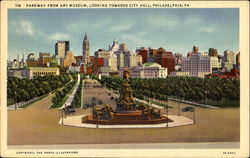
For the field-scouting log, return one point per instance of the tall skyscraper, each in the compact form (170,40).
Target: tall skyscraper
(61,47)
(229,56)
(85,49)
(212,52)
(197,65)
(195,51)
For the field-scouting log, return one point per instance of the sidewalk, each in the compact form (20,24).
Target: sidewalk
(71,97)
(19,104)
(193,103)
(82,94)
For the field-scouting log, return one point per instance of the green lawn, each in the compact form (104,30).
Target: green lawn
(60,104)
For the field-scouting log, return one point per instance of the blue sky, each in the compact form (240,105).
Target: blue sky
(176,30)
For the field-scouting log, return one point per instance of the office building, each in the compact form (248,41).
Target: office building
(61,48)
(146,70)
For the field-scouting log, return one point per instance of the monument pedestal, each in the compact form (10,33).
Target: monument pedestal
(126,113)
(132,118)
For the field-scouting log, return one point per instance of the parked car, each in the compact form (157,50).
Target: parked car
(93,98)
(188,108)
(99,102)
(69,110)
(87,105)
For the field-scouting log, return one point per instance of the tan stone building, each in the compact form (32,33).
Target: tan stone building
(31,60)
(238,60)
(44,59)
(69,59)
(42,71)
(33,71)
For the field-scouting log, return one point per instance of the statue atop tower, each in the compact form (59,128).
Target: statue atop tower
(85,50)
(126,100)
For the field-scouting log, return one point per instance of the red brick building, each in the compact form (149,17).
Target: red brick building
(94,65)
(78,59)
(233,74)
(165,59)
(144,52)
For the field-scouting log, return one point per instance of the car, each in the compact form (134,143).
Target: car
(188,108)
(87,105)
(99,102)
(69,110)
(93,98)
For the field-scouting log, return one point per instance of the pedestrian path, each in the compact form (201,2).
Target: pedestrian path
(71,97)
(20,104)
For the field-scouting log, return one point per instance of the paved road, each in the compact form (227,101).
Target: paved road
(92,88)
(39,125)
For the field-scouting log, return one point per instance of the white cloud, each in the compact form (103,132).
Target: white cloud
(206,29)
(121,27)
(24,28)
(58,36)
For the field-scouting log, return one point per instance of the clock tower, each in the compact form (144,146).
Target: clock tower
(85,50)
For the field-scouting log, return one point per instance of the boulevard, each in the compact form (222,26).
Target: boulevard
(38,125)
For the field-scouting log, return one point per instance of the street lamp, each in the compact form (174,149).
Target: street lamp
(97,121)
(62,115)
(65,110)
(15,99)
(179,106)
(205,99)
(167,114)
(194,115)
(148,101)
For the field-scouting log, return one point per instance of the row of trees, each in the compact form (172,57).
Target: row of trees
(61,93)
(23,90)
(76,103)
(188,88)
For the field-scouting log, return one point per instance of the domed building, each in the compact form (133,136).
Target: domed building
(53,62)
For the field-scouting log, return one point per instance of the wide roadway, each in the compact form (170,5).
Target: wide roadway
(39,125)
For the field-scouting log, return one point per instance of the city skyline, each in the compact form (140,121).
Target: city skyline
(176,30)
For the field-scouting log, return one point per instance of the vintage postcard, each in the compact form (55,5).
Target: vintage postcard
(124,78)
